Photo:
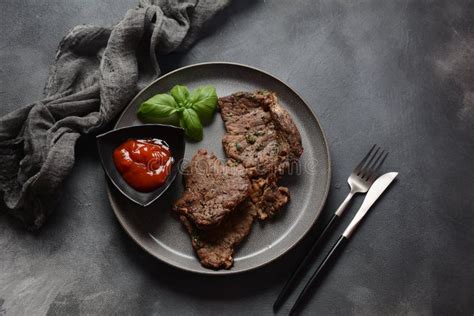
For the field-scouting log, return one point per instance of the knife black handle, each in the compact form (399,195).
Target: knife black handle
(304,263)
(322,268)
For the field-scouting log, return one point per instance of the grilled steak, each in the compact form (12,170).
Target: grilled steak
(212,190)
(260,133)
(263,138)
(215,247)
(220,202)
(267,197)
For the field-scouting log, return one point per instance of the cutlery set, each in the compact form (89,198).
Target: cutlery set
(363,179)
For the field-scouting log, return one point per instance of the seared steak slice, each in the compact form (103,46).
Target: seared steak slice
(267,197)
(263,138)
(215,247)
(212,190)
(260,133)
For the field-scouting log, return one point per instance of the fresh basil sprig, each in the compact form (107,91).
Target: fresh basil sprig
(181,107)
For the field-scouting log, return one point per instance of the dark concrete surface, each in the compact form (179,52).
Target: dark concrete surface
(396,73)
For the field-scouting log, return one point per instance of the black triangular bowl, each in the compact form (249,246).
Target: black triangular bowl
(107,142)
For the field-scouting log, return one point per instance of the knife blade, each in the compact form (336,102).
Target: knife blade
(375,191)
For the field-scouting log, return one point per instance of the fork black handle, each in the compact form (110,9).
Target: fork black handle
(304,263)
(325,264)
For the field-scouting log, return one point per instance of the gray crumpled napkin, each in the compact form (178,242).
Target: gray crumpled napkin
(95,74)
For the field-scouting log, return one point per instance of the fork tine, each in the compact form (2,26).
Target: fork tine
(369,170)
(366,168)
(358,168)
(375,173)
(377,166)
(381,162)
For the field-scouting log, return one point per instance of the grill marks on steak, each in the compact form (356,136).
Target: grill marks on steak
(215,247)
(212,190)
(262,137)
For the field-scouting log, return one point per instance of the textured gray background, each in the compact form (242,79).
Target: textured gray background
(398,73)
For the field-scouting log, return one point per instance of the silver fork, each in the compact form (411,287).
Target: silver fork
(363,175)
(360,180)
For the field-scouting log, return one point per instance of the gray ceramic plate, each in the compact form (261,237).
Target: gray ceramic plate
(160,233)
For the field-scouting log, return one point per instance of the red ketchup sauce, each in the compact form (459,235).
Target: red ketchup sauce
(144,163)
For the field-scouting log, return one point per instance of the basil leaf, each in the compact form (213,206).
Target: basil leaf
(192,125)
(204,101)
(180,94)
(159,106)
(181,107)
(173,119)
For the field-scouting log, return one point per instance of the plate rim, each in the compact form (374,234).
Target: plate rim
(230,271)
